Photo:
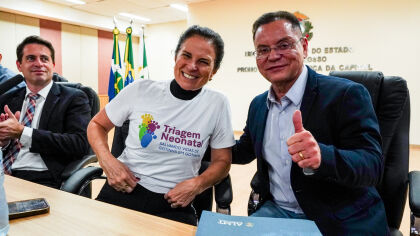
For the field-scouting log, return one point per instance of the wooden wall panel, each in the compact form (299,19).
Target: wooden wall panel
(51,31)
(105,40)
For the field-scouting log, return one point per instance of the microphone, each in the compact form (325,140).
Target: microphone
(10,83)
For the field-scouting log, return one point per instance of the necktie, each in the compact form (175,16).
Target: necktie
(16,146)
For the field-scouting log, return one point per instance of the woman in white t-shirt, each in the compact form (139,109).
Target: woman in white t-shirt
(171,125)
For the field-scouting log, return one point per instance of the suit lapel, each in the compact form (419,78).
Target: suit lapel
(52,99)
(311,91)
(260,115)
(16,103)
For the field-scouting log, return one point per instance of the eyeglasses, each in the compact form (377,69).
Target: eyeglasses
(284,47)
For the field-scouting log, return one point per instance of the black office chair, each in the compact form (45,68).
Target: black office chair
(414,200)
(391,101)
(6,85)
(76,178)
(223,194)
(79,183)
(204,201)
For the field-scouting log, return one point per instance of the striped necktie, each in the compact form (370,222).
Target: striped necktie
(13,151)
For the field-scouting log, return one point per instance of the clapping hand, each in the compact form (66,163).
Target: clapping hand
(9,126)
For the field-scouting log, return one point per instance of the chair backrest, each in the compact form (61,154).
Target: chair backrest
(17,79)
(391,101)
(95,106)
(10,83)
(58,78)
(73,175)
(91,94)
(93,97)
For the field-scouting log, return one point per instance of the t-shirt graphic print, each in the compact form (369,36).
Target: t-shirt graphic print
(147,130)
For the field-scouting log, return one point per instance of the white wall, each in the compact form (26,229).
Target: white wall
(57,12)
(383,34)
(13,29)
(161,40)
(79,47)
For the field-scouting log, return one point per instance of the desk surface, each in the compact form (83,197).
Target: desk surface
(74,215)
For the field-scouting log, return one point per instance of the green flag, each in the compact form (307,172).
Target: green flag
(143,69)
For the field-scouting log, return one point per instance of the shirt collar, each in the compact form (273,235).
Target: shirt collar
(43,92)
(295,93)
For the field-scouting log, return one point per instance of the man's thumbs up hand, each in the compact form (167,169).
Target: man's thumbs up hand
(297,121)
(303,147)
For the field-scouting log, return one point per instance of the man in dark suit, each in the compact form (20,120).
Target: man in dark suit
(316,139)
(43,125)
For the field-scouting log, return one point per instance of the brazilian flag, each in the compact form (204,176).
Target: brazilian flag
(115,79)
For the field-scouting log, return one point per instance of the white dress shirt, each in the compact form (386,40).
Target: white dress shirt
(279,127)
(27,160)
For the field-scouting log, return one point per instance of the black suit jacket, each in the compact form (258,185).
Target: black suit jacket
(340,197)
(61,135)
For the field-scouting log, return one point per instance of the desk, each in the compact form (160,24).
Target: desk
(74,215)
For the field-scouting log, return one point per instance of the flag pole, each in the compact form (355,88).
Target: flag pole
(144,71)
(115,22)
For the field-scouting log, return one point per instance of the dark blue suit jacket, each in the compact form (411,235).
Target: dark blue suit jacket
(340,197)
(61,135)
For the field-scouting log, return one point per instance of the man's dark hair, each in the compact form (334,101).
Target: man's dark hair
(36,40)
(208,34)
(273,16)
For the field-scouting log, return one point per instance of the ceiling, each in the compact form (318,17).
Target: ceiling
(158,11)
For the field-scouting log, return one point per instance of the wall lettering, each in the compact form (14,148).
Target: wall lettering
(318,59)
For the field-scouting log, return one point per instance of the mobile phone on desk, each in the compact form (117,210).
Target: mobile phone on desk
(29,207)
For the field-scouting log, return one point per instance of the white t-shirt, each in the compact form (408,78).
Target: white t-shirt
(168,136)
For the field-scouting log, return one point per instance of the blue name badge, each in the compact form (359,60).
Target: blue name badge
(212,223)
